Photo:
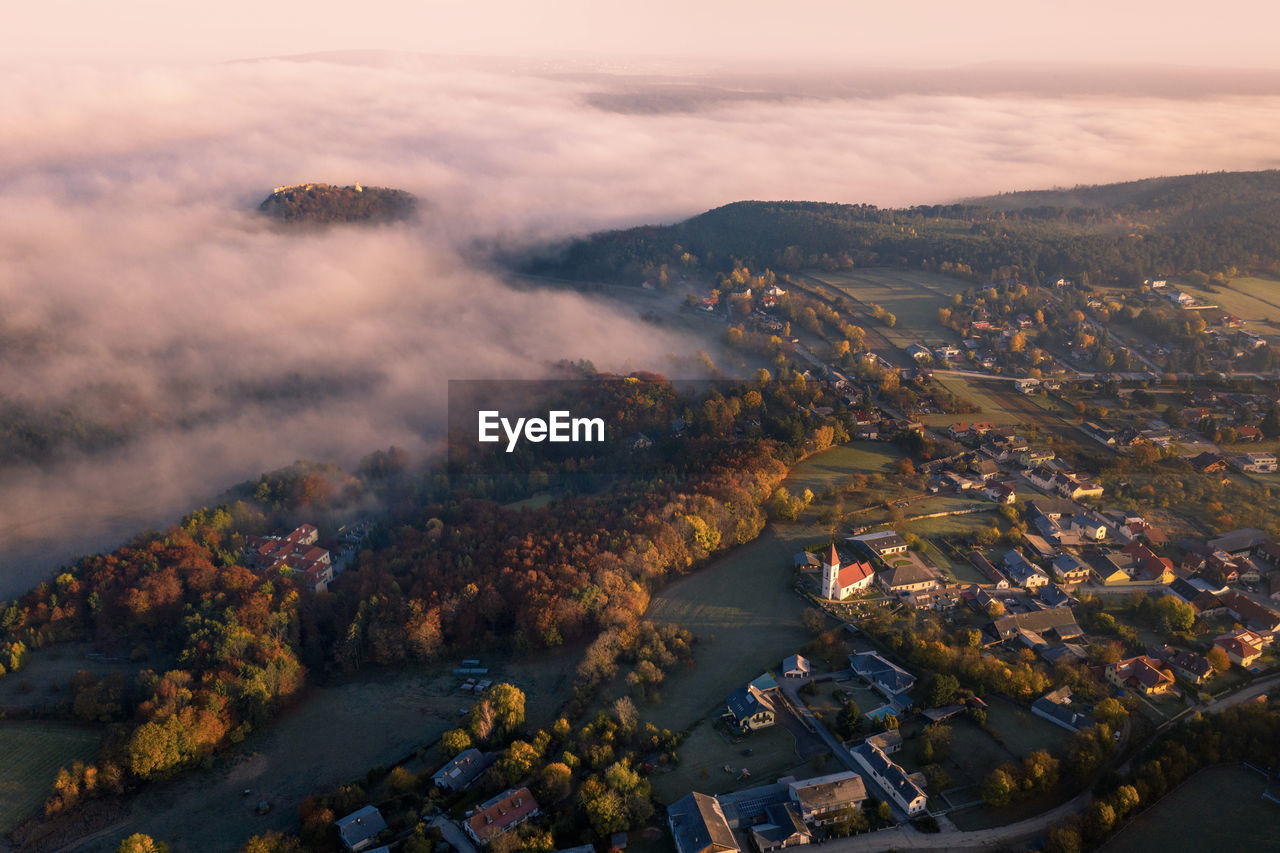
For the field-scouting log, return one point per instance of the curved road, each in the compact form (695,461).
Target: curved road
(907,837)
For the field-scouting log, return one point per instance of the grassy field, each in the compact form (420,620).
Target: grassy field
(706,752)
(1023,732)
(337,733)
(33,752)
(747,619)
(913,297)
(1254,300)
(42,682)
(828,468)
(1219,809)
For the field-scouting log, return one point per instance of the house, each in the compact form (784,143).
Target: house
(751,708)
(1026,386)
(1054,508)
(637,442)
(1141,673)
(1113,568)
(782,827)
(821,800)
(841,581)
(986,469)
(1251,614)
(1089,525)
(891,777)
(1255,463)
(1038,627)
(464,769)
(882,544)
(795,666)
(1001,493)
(1070,569)
(1240,542)
(888,679)
(1023,573)
(1052,595)
(499,814)
(911,577)
(1041,477)
(990,572)
(698,825)
(359,829)
(1076,486)
(919,352)
(1239,648)
(889,741)
(1035,456)
(1191,666)
(1208,463)
(1057,708)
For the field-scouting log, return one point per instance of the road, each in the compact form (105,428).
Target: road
(791,689)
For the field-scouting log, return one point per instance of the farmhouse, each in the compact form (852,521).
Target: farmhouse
(698,825)
(359,829)
(499,814)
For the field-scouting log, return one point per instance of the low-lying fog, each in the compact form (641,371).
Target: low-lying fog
(138,285)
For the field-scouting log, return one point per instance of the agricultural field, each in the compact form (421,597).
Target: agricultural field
(746,618)
(1254,300)
(33,753)
(1023,732)
(1219,809)
(336,734)
(913,297)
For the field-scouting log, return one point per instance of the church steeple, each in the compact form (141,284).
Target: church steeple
(831,575)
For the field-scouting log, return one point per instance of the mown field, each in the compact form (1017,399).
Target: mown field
(828,468)
(1219,809)
(913,297)
(747,620)
(31,753)
(1254,300)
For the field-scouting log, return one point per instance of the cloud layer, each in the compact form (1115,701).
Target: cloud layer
(137,283)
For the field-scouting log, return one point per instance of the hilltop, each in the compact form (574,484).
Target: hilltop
(324,204)
(1110,234)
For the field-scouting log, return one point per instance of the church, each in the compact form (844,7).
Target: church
(839,582)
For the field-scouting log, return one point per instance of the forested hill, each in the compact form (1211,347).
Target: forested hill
(322,204)
(1110,234)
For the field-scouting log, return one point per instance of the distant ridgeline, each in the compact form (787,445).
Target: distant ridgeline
(1117,233)
(322,204)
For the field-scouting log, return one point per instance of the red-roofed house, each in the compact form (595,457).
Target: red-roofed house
(1238,648)
(504,812)
(1141,673)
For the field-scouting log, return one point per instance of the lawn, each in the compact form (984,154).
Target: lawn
(747,620)
(1219,809)
(1023,732)
(33,752)
(706,752)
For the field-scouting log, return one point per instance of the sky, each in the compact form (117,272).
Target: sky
(925,33)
